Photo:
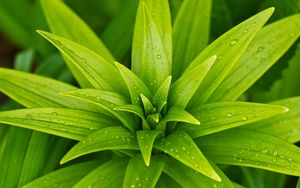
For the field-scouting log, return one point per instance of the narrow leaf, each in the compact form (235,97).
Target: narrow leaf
(179,115)
(185,87)
(285,126)
(37,91)
(106,100)
(65,177)
(134,84)
(151,52)
(24,60)
(102,175)
(191,178)
(161,95)
(180,146)
(64,22)
(263,51)
(104,139)
(148,106)
(228,48)
(253,149)
(97,70)
(220,116)
(68,123)
(190,33)
(165,182)
(139,175)
(146,139)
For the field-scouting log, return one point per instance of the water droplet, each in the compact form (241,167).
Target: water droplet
(54,113)
(132,185)
(158,56)
(233,42)
(265,150)
(196,166)
(253,24)
(137,179)
(229,114)
(245,31)
(244,118)
(275,153)
(183,148)
(292,34)
(253,111)
(260,49)
(219,57)
(28,116)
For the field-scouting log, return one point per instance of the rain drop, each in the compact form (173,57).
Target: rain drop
(260,49)
(233,42)
(253,24)
(28,116)
(158,56)
(292,34)
(54,113)
(245,31)
(229,115)
(244,118)
(264,151)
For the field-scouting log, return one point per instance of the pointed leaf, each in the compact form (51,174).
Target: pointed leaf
(137,110)
(253,149)
(185,87)
(146,139)
(285,126)
(102,175)
(134,84)
(151,52)
(68,123)
(148,106)
(220,116)
(228,48)
(98,71)
(179,115)
(190,33)
(190,178)
(106,100)
(180,146)
(161,95)
(139,175)
(65,177)
(37,91)
(263,51)
(64,22)
(104,139)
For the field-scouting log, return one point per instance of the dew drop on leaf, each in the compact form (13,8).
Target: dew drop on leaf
(158,56)
(54,113)
(229,115)
(233,42)
(260,49)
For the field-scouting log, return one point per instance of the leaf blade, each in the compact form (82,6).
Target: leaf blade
(229,47)
(190,155)
(139,175)
(254,149)
(104,139)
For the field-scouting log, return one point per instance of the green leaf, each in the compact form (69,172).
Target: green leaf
(152,51)
(228,48)
(68,123)
(180,146)
(104,139)
(118,34)
(36,157)
(285,126)
(185,87)
(253,149)
(13,151)
(106,100)
(65,177)
(146,139)
(99,72)
(165,182)
(102,175)
(137,110)
(298,184)
(216,117)
(190,33)
(148,106)
(264,50)
(64,22)
(134,84)
(24,60)
(37,91)
(139,175)
(190,178)
(160,97)
(179,115)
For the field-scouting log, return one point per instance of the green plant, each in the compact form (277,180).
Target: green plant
(170,119)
